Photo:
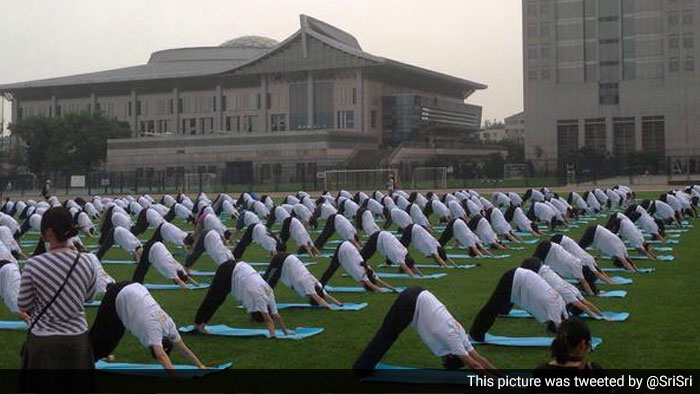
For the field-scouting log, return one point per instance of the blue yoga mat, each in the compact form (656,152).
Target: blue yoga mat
(117,261)
(467,256)
(355,289)
(173,286)
(157,370)
(611,316)
(668,241)
(224,330)
(397,275)
(525,341)
(202,273)
(677,230)
(612,294)
(458,266)
(530,241)
(516,247)
(624,270)
(663,257)
(347,306)
(93,303)
(522,233)
(12,325)
(663,248)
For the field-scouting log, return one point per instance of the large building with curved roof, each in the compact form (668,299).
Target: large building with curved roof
(259,108)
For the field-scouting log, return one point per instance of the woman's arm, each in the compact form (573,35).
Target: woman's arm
(163,359)
(187,353)
(278,319)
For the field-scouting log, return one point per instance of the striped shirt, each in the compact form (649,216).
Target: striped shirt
(41,279)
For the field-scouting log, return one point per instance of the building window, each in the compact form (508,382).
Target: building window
(532,31)
(532,8)
(128,110)
(373,119)
(567,137)
(545,74)
(138,107)
(595,135)
(609,94)
(206,125)
(250,123)
(674,64)
(673,41)
(58,110)
(653,135)
(171,106)
(180,106)
(151,126)
(258,103)
(268,100)
(223,103)
(532,54)
(544,30)
(346,119)
(354,96)
(689,64)
(623,137)
(193,126)
(233,123)
(98,108)
(544,7)
(213,104)
(532,75)
(544,53)
(687,17)
(688,40)
(278,122)
(673,18)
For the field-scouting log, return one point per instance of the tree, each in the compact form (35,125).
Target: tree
(73,142)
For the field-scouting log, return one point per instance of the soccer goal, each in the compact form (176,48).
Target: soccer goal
(357,179)
(429,178)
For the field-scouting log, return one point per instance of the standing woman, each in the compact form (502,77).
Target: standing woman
(53,287)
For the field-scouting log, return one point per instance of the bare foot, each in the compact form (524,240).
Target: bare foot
(201,329)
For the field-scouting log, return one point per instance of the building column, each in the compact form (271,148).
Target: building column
(134,117)
(609,135)
(264,118)
(176,112)
(15,109)
(310,100)
(581,133)
(638,133)
(360,101)
(218,125)
(54,106)
(93,103)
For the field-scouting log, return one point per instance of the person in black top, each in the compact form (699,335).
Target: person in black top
(569,350)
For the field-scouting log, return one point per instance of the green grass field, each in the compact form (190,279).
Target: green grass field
(660,333)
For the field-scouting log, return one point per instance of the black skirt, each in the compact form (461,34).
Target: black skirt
(72,354)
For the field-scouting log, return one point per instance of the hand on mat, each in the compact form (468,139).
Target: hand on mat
(24,316)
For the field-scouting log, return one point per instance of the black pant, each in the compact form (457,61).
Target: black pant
(244,242)
(498,304)
(107,243)
(107,329)
(328,231)
(274,270)
(216,295)
(396,320)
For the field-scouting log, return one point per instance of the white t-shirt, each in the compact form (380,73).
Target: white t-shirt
(417,216)
(298,233)
(327,210)
(248,287)
(375,207)
(521,220)
(215,248)
(121,220)
(249,218)
(351,259)
(263,239)
(390,247)
(464,235)
(297,276)
(499,223)
(473,208)
(401,202)
(102,278)
(608,243)
(437,328)
(173,234)
(515,199)
(423,242)
(389,203)
(485,232)
(302,212)
(163,261)
(8,240)
(135,208)
(182,211)
(663,211)
(401,218)
(9,286)
(281,214)
(456,209)
(440,209)
(6,254)
(143,317)
(368,224)
(564,263)
(544,212)
(536,296)
(351,208)
(125,239)
(35,222)
(211,222)
(168,200)
(344,228)
(572,247)
(631,233)
(228,208)
(647,223)
(567,291)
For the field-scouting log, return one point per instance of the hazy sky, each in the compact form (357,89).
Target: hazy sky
(480,40)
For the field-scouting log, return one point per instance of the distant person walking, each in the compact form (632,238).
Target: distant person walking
(46,191)
(53,287)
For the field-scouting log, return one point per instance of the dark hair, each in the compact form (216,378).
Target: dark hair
(227,234)
(452,361)
(189,239)
(60,221)
(569,335)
